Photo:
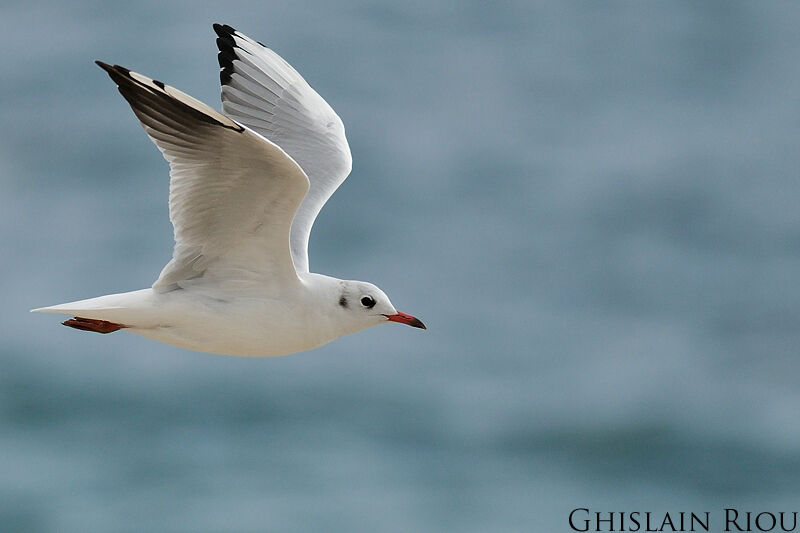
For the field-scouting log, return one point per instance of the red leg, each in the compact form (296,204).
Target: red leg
(91,324)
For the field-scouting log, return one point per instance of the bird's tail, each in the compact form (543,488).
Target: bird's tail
(104,314)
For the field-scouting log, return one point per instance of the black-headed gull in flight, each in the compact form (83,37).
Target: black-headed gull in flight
(245,187)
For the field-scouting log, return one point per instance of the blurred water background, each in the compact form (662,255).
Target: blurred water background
(592,205)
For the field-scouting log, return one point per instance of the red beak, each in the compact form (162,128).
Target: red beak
(408,320)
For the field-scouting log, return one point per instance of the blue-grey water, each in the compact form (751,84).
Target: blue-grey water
(592,205)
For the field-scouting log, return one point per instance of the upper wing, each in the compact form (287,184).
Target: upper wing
(263,92)
(232,193)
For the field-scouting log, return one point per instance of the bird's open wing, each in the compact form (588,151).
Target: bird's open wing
(232,193)
(264,92)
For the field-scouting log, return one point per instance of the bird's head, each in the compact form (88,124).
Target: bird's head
(367,304)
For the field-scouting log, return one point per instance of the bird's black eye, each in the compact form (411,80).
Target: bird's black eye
(368,301)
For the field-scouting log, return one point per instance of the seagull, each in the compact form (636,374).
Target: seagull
(245,188)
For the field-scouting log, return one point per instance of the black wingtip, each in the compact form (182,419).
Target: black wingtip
(116,72)
(226,55)
(113,69)
(141,95)
(120,75)
(223,30)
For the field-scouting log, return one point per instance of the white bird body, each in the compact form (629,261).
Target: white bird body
(245,189)
(239,320)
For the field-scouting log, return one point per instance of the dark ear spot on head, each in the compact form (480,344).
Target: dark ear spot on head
(343,301)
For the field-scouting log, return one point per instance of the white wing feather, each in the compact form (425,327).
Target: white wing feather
(263,92)
(233,194)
